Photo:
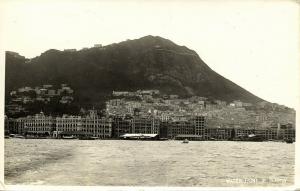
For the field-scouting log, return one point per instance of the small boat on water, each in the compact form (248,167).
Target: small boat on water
(88,138)
(185,141)
(19,136)
(250,138)
(6,136)
(276,140)
(69,137)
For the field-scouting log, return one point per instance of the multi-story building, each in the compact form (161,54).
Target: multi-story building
(181,128)
(243,132)
(271,134)
(218,133)
(288,133)
(13,126)
(199,122)
(16,126)
(96,126)
(164,129)
(6,125)
(39,124)
(68,123)
(145,125)
(121,126)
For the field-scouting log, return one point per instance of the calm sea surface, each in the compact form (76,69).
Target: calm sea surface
(148,163)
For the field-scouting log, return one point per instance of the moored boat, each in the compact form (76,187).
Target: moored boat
(19,136)
(88,138)
(69,137)
(185,141)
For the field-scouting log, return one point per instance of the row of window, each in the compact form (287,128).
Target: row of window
(98,131)
(38,124)
(39,129)
(146,132)
(67,129)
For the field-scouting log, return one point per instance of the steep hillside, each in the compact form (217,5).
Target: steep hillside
(148,62)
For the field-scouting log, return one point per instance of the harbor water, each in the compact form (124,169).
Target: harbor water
(148,163)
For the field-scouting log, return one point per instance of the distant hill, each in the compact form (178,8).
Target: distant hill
(150,62)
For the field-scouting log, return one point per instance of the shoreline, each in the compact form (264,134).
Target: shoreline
(149,140)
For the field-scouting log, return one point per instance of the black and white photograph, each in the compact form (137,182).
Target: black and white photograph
(149,94)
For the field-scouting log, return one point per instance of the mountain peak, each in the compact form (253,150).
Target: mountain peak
(150,62)
(151,37)
(150,41)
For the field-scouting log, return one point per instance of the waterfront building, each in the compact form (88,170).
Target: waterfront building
(271,134)
(199,122)
(39,124)
(218,133)
(288,133)
(181,128)
(13,126)
(243,132)
(16,126)
(261,132)
(6,125)
(121,126)
(225,134)
(96,126)
(265,133)
(163,129)
(145,125)
(68,123)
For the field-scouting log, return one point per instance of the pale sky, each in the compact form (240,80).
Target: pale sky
(253,43)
